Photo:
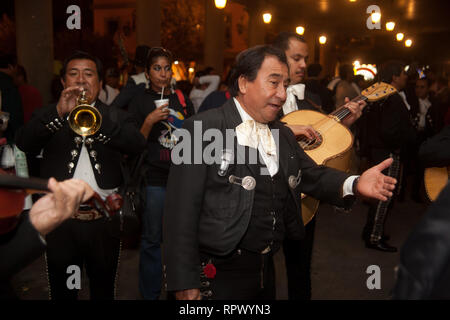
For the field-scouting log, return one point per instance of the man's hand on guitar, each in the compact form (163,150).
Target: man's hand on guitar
(63,201)
(376,185)
(300,130)
(356,111)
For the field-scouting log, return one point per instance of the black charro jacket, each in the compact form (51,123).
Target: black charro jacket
(47,131)
(205,212)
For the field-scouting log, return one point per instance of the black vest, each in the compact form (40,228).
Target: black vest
(266,226)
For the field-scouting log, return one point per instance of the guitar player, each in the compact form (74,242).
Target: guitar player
(298,252)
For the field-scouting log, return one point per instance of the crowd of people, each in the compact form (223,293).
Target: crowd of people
(210,230)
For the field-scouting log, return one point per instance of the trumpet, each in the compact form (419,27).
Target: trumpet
(84,119)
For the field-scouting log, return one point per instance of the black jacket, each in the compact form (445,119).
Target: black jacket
(435,152)
(19,247)
(424,270)
(386,127)
(47,131)
(204,211)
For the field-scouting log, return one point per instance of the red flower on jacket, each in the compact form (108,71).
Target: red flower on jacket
(209,270)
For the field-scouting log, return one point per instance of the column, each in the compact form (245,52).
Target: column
(34,37)
(256,27)
(148,23)
(214,46)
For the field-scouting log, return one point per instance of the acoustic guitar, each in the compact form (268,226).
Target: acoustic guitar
(435,180)
(334,145)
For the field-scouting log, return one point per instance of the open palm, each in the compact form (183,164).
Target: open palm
(376,185)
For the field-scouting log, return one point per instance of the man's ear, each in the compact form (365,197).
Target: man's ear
(62,82)
(242,83)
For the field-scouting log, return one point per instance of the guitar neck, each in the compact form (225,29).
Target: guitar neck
(14,182)
(342,112)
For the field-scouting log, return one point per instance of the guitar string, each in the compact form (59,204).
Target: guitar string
(340,113)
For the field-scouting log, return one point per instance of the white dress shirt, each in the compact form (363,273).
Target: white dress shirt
(270,160)
(84,171)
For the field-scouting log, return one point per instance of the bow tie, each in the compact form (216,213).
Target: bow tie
(293,91)
(253,134)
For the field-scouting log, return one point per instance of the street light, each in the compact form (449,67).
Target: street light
(322,39)
(376,17)
(400,36)
(267,17)
(220,4)
(390,25)
(300,30)
(408,43)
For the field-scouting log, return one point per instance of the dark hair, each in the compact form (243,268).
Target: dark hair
(282,39)
(7,60)
(427,80)
(199,74)
(208,70)
(20,71)
(345,71)
(390,69)
(81,55)
(157,52)
(141,55)
(314,70)
(249,62)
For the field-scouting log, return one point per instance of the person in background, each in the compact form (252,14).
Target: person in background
(345,88)
(204,83)
(389,132)
(137,83)
(31,97)
(298,253)
(10,100)
(109,90)
(313,84)
(217,98)
(157,125)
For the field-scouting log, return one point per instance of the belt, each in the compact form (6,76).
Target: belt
(88,215)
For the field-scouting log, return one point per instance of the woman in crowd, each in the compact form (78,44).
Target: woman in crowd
(158,110)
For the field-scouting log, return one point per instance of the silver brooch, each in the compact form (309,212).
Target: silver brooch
(248,183)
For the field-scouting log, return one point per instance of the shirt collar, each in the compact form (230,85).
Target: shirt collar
(244,115)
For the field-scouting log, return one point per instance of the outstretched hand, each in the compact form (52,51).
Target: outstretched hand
(376,185)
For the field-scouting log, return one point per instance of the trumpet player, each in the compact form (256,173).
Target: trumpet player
(87,239)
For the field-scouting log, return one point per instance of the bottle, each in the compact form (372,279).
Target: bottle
(22,171)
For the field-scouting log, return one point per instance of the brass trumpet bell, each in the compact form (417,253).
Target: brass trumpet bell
(84,119)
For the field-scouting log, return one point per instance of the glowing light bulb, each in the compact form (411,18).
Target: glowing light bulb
(400,36)
(376,17)
(322,39)
(408,43)
(300,30)
(267,17)
(390,25)
(220,4)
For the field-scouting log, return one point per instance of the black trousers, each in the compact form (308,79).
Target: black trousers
(298,254)
(242,275)
(378,211)
(83,243)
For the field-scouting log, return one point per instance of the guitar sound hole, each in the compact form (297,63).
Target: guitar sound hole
(310,144)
